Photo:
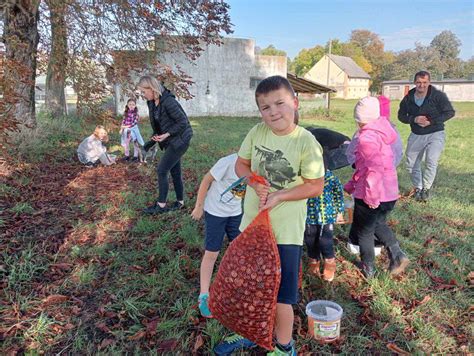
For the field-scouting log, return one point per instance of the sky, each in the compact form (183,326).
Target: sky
(294,25)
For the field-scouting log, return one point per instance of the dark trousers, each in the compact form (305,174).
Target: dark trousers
(370,222)
(170,162)
(319,241)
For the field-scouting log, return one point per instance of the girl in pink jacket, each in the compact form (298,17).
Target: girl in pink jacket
(374,186)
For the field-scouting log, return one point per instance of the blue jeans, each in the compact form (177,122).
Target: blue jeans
(170,162)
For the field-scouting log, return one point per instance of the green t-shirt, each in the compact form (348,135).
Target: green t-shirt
(282,160)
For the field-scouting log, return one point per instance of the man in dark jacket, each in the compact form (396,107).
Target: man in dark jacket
(426,109)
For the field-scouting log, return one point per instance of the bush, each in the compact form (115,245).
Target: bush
(32,145)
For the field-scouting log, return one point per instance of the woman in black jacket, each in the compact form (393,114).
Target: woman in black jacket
(172,131)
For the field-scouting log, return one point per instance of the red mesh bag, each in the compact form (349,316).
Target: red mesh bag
(243,296)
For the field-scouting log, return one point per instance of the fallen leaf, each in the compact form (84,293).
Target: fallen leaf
(54,299)
(139,335)
(167,345)
(397,350)
(105,343)
(103,327)
(470,276)
(198,344)
(151,326)
(425,300)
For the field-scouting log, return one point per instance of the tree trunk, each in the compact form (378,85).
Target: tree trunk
(56,73)
(21,42)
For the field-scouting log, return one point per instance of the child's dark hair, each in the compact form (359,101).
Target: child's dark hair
(271,84)
(127,109)
(274,83)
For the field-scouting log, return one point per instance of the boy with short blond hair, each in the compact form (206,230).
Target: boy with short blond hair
(290,159)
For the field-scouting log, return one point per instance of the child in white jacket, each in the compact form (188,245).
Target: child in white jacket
(91,150)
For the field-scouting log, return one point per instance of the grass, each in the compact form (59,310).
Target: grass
(128,284)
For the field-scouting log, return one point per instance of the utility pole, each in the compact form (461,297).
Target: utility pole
(327,77)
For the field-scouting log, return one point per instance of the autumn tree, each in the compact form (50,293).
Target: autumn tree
(58,57)
(102,31)
(105,33)
(20,38)
(373,51)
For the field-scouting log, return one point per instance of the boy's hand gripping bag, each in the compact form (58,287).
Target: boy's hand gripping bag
(243,296)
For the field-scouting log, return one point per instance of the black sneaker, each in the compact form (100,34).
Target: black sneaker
(425,194)
(155,209)
(135,159)
(126,158)
(418,194)
(176,206)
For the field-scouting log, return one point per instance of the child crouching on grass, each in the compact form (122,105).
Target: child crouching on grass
(222,216)
(290,159)
(91,150)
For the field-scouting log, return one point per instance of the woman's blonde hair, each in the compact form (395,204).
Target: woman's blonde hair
(147,81)
(100,128)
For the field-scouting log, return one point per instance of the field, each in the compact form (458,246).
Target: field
(84,272)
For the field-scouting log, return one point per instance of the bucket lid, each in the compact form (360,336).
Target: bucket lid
(324,310)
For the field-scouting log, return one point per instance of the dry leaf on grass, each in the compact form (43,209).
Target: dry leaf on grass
(198,343)
(54,299)
(397,350)
(137,336)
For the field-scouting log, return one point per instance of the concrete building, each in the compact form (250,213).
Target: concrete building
(225,78)
(350,80)
(455,89)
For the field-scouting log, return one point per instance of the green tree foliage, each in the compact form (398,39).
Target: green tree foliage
(306,59)
(468,68)
(440,58)
(272,51)
(410,61)
(447,44)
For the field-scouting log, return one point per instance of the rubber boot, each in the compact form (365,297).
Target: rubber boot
(367,269)
(398,260)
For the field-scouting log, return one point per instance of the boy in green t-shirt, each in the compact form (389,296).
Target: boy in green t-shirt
(290,159)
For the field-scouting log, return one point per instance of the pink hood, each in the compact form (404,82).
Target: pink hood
(375,178)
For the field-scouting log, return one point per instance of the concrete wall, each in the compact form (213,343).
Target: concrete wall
(454,91)
(224,78)
(347,88)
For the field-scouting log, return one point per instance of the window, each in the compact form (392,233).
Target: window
(254,81)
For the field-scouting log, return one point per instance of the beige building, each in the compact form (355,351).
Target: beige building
(350,80)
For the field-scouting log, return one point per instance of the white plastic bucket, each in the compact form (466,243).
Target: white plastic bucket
(324,320)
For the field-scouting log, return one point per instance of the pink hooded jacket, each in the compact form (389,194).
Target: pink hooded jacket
(375,178)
